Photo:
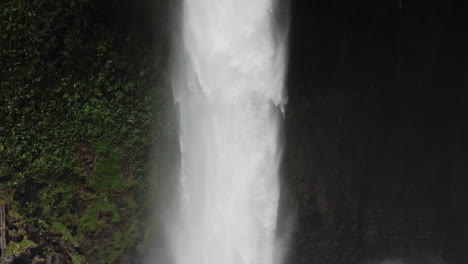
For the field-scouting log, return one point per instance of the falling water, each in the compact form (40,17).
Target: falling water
(228,83)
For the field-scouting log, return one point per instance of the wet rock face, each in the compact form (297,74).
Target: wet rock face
(371,183)
(376,166)
(7,260)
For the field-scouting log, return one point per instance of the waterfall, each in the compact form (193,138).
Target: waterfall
(228,81)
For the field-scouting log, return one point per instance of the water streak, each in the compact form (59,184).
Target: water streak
(229,85)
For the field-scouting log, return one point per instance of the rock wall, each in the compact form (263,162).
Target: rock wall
(376,132)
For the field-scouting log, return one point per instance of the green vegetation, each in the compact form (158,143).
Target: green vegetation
(105,176)
(97,216)
(80,97)
(14,248)
(78,259)
(60,228)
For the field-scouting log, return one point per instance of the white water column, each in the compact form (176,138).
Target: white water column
(228,82)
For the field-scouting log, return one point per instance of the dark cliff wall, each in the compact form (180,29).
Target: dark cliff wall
(376,131)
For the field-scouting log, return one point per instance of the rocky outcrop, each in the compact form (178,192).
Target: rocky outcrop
(25,244)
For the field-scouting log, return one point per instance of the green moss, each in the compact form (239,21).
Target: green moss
(122,241)
(104,147)
(67,236)
(130,202)
(96,217)
(107,176)
(58,202)
(127,238)
(78,259)
(15,248)
(60,228)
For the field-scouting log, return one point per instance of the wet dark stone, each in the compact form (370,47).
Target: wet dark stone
(7,260)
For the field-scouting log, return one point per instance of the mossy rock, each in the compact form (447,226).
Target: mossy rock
(15,249)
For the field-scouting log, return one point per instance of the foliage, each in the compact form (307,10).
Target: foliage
(16,248)
(57,199)
(78,259)
(100,213)
(69,76)
(60,228)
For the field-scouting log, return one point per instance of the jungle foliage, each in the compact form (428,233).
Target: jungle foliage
(73,75)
